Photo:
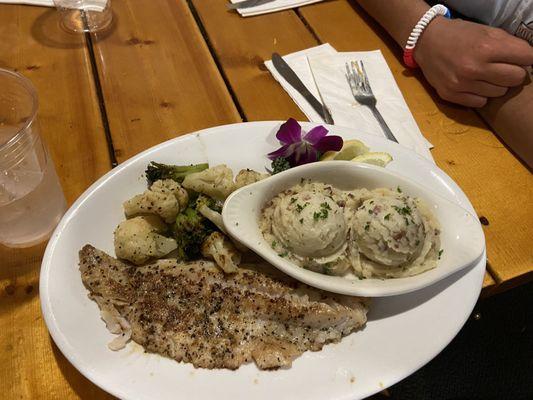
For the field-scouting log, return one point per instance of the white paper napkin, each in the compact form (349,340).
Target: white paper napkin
(321,69)
(92,5)
(328,72)
(276,5)
(47,3)
(298,62)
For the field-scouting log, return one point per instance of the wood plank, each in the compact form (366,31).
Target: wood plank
(158,77)
(489,285)
(488,281)
(498,185)
(58,65)
(243,44)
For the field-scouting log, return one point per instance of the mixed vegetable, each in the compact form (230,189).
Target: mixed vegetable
(179,214)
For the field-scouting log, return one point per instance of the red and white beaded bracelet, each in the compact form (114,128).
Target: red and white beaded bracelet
(409,49)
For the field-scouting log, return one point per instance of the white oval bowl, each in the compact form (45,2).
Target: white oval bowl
(462,238)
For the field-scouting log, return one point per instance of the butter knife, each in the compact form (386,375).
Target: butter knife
(290,76)
(248,4)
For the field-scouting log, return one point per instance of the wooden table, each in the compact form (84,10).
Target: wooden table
(169,67)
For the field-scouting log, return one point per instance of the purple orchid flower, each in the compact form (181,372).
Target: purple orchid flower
(297,150)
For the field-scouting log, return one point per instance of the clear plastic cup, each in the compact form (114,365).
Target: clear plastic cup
(84,15)
(31,199)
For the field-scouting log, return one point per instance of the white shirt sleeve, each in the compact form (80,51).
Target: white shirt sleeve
(505,14)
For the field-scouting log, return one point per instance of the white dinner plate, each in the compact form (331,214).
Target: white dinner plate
(402,334)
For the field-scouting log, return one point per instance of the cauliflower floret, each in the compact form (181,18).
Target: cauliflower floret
(167,186)
(215,182)
(165,198)
(219,248)
(213,216)
(138,239)
(247,177)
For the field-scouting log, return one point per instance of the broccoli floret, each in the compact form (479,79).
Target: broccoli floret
(156,171)
(190,231)
(280,164)
(209,202)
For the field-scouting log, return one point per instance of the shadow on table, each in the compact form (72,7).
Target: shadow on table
(19,276)
(47,31)
(84,388)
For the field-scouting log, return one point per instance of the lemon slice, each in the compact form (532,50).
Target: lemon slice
(328,155)
(379,159)
(350,149)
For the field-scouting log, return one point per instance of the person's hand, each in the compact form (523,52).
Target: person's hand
(467,62)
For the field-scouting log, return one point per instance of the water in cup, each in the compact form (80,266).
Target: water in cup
(31,199)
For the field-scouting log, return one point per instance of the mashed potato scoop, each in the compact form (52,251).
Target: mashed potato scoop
(381,239)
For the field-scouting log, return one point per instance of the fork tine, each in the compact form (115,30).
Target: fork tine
(348,75)
(355,75)
(367,83)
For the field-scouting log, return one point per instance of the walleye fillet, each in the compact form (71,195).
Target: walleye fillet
(193,312)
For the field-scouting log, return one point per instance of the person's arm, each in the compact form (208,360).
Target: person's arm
(465,62)
(398,17)
(469,64)
(511,117)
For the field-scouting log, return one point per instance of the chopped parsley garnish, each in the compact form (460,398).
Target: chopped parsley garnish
(367,226)
(440,253)
(284,254)
(386,217)
(293,199)
(406,210)
(274,244)
(322,214)
(325,206)
(301,220)
(399,190)
(371,211)
(299,207)
(417,242)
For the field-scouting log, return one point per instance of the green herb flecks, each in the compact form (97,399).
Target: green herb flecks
(406,210)
(325,205)
(440,253)
(300,208)
(399,190)
(386,217)
(323,213)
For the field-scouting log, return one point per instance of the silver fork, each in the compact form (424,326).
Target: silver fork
(362,92)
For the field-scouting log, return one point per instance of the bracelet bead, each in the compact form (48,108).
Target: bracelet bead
(408,53)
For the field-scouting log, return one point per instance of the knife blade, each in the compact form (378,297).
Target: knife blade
(290,76)
(247,4)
